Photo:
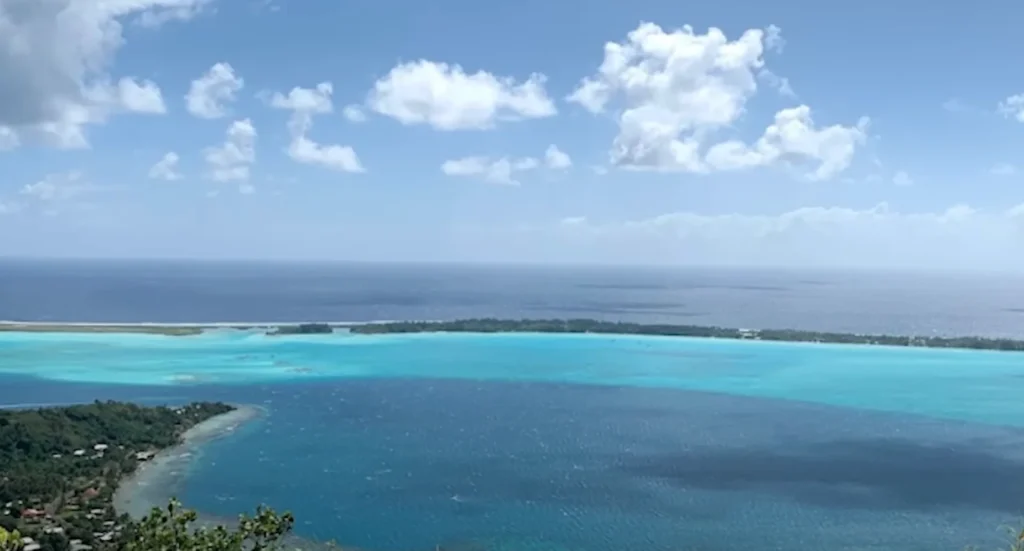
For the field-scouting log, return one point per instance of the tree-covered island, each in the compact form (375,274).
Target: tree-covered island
(622,328)
(493,325)
(302,329)
(59,468)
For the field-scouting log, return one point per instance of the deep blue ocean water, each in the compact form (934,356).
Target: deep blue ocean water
(560,442)
(855,301)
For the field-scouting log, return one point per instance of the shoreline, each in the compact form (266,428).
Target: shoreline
(172,329)
(523,326)
(155,481)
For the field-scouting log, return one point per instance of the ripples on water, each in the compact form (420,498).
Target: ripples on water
(399,464)
(574,443)
(823,300)
(478,442)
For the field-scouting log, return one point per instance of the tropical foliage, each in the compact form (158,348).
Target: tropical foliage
(302,329)
(59,467)
(622,328)
(9,540)
(44,451)
(175,529)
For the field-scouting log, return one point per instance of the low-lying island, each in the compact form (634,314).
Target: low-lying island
(488,325)
(495,325)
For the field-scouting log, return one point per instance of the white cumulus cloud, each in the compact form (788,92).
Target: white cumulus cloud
(679,88)
(773,38)
(59,187)
(1013,106)
(557,159)
(54,61)
(140,97)
(494,171)
(306,100)
(793,136)
(182,10)
(335,157)
(503,170)
(231,160)
(166,168)
(209,94)
(781,84)
(304,103)
(354,113)
(448,98)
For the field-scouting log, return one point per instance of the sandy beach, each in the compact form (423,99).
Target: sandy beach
(159,479)
(161,328)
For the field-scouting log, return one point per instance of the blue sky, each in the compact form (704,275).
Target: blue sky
(725,133)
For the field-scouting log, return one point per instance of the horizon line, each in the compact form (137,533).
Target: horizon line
(510,264)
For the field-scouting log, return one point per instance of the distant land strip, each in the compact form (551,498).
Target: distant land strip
(490,325)
(146,328)
(623,328)
(154,328)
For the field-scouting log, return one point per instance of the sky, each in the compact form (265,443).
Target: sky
(654,132)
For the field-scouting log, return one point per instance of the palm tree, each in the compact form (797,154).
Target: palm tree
(9,541)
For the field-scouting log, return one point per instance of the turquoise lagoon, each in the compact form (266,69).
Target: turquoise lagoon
(575,442)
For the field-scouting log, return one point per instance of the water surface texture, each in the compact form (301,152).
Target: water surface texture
(979,386)
(577,442)
(559,442)
(821,300)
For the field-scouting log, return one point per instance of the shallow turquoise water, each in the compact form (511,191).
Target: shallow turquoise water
(966,385)
(577,442)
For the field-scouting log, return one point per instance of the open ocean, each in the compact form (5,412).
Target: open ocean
(836,300)
(560,442)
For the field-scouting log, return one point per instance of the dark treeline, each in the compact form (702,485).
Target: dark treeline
(609,327)
(302,329)
(60,466)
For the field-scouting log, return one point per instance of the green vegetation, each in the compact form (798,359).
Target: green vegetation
(174,529)
(608,327)
(9,541)
(302,329)
(59,467)
(491,325)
